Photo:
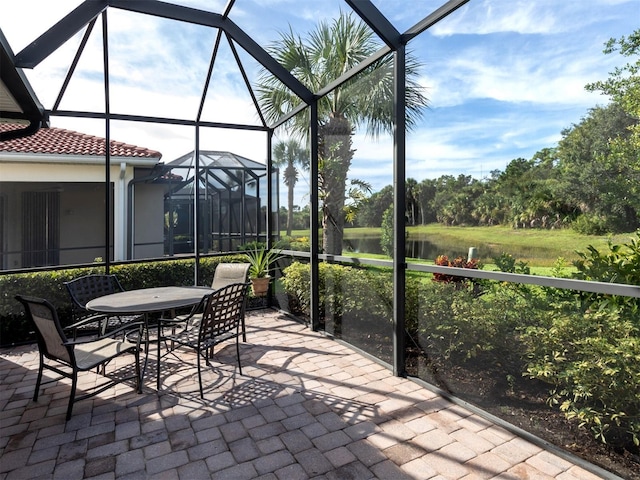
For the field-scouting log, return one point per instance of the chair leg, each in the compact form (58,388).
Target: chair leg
(244,332)
(238,354)
(39,379)
(209,354)
(199,375)
(138,375)
(72,395)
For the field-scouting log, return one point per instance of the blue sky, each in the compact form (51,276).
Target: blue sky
(503,77)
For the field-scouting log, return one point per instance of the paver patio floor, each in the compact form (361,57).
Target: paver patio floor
(305,407)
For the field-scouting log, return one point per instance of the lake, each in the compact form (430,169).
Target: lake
(429,249)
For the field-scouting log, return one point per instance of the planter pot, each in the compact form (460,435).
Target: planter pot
(260,286)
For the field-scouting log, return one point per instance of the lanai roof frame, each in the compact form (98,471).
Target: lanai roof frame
(395,43)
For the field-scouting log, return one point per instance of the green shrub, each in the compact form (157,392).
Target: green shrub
(255,245)
(593,363)
(301,245)
(456,324)
(589,347)
(591,225)
(363,295)
(14,327)
(508,264)
(297,281)
(620,264)
(386,232)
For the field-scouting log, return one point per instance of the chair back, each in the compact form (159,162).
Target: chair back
(223,313)
(229,273)
(48,330)
(86,288)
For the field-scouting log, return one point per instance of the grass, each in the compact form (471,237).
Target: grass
(540,249)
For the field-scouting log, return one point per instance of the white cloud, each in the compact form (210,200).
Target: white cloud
(503,77)
(526,17)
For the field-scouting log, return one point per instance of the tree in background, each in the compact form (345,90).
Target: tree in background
(366,101)
(599,171)
(623,84)
(374,206)
(291,155)
(425,194)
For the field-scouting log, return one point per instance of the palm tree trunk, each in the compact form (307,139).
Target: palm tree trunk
(334,142)
(290,209)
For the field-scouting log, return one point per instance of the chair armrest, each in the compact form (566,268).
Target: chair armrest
(195,310)
(127,327)
(174,321)
(92,318)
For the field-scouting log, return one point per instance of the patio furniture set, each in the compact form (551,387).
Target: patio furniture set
(122,321)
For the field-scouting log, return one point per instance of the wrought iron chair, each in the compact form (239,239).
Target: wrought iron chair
(229,273)
(77,355)
(225,274)
(86,288)
(221,320)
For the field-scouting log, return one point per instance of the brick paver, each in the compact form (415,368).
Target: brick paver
(305,407)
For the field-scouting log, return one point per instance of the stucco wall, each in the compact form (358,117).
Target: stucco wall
(82,223)
(148,222)
(81,211)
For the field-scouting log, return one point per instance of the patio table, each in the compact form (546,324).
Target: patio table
(149,300)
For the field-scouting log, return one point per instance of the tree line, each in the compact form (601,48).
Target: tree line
(586,182)
(589,181)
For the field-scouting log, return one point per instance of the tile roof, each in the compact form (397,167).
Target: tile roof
(58,141)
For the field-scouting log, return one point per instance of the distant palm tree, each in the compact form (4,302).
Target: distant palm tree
(328,52)
(290,155)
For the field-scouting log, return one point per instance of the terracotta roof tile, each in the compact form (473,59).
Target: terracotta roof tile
(58,141)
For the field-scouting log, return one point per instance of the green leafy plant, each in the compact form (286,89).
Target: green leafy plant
(592,361)
(261,260)
(508,264)
(620,264)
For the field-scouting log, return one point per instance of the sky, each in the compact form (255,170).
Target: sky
(503,77)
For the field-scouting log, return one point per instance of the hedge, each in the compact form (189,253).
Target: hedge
(14,328)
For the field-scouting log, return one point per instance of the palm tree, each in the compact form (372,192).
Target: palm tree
(366,101)
(290,154)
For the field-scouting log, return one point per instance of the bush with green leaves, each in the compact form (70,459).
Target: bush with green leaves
(589,224)
(592,361)
(386,232)
(355,303)
(448,320)
(589,348)
(620,264)
(457,325)
(369,290)
(14,327)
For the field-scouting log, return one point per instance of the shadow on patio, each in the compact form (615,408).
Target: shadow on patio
(306,407)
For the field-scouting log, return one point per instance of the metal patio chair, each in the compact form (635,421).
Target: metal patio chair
(221,320)
(225,274)
(62,354)
(86,288)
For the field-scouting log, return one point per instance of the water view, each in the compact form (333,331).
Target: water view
(429,249)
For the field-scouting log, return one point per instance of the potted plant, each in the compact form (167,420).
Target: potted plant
(260,260)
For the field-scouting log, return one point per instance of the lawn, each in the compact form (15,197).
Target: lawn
(541,249)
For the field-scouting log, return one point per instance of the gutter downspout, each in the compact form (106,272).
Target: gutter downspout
(121,234)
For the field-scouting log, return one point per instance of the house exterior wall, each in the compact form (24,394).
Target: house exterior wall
(148,221)
(80,189)
(82,223)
